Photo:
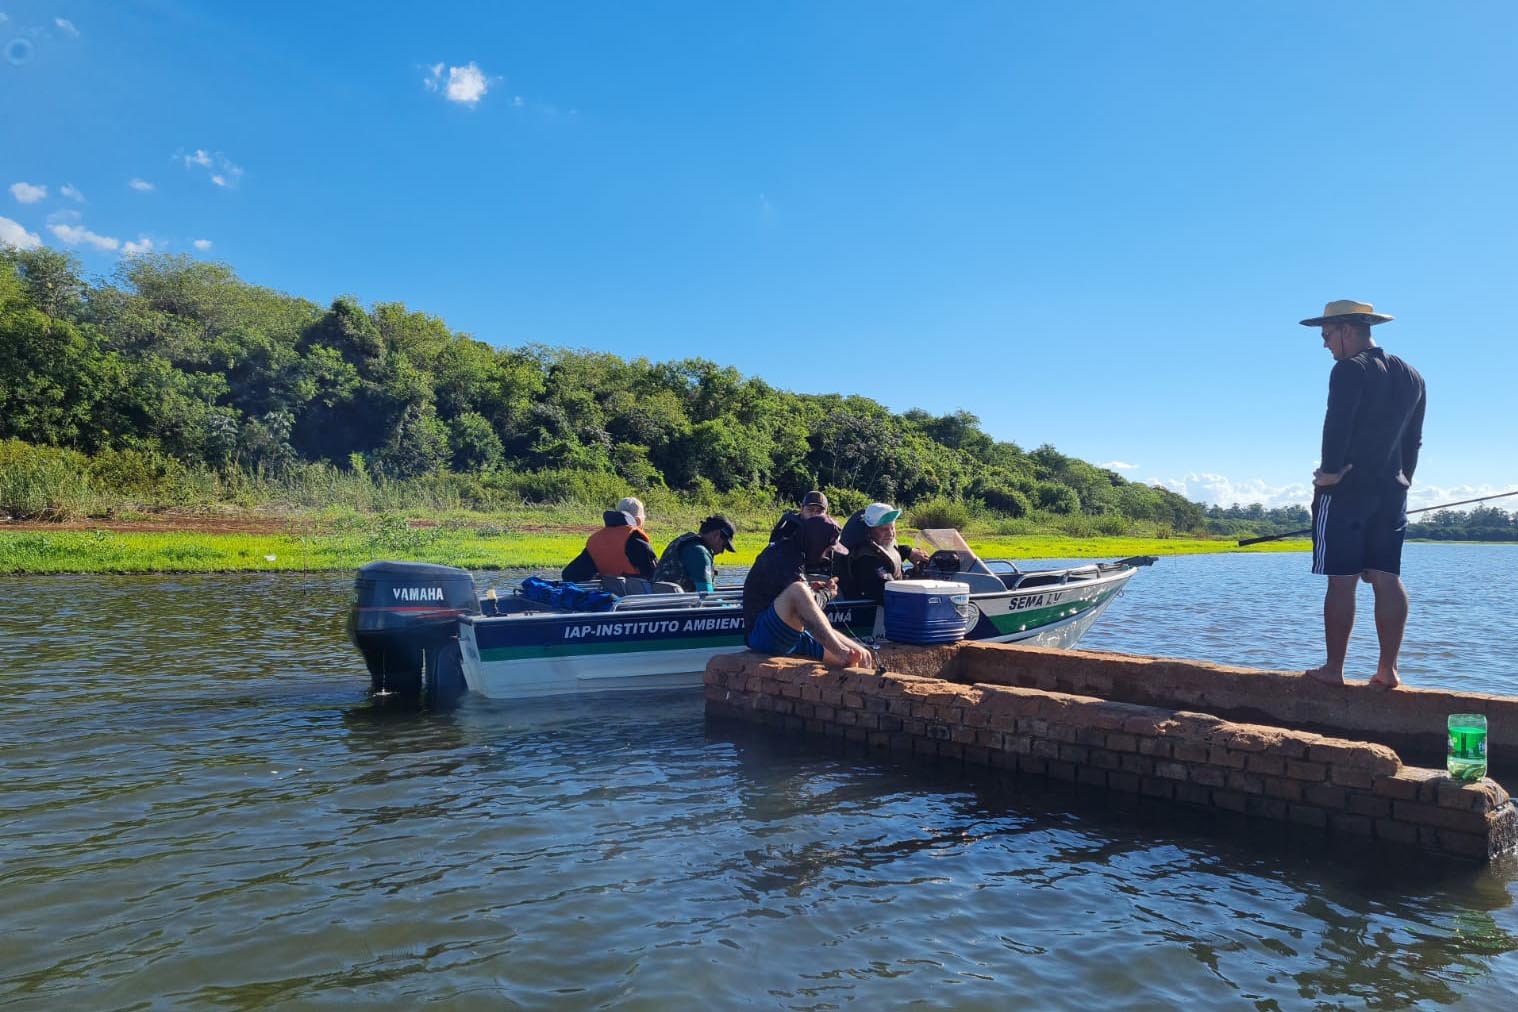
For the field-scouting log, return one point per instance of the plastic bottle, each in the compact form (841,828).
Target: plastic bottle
(1467,746)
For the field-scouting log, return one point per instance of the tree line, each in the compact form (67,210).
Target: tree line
(178,360)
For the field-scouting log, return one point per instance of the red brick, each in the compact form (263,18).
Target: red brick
(1342,776)
(1091,777)
(1170,770)
(1396,832)
(1480,796)
(1367,805)
(1156,788)
(1269,808)
(1232,801)
(1118,781)
(1189,752)
(1104,760)
(1306,815)
(1077,754)
(1208,776)
(1154,747)
(1463,844)
(1281,787)
(1193,794)
(1301,769)
(1144,724)
(1405,784)
(1376,759)
(1248,783)
(1324,796)
(963,735)
(989,739)
(1140,764)
(1045,748)
(1122,743)
(1220,756)
(1269,765)
(1443,818)
(1355,825)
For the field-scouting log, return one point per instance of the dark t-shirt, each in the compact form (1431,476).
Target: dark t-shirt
(1374,421)
(777,567)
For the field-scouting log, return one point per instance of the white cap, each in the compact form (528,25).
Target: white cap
(878,514)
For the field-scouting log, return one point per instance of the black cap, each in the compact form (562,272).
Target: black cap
(815,498)
(819,539)
(723,524)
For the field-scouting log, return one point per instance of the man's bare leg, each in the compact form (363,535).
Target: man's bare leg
(798,609)
(1391,623)
(1338,623)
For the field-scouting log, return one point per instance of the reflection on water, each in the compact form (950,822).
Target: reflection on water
(199,808)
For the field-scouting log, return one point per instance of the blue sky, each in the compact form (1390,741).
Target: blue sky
(1093,225)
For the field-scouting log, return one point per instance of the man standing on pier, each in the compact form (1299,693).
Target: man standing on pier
(1371,435)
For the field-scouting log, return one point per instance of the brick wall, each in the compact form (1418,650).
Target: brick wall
(1335,784)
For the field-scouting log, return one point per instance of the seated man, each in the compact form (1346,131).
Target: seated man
(877,558)
(813,504)
(621,548)
(780,612)
(688,559)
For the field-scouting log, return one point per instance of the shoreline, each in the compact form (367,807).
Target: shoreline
(242,543)
(233,544)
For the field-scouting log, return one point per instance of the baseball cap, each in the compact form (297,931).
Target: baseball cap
(815,498)
(819,536)
(878,514)
(720,523)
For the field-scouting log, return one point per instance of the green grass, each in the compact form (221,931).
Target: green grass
(346,542)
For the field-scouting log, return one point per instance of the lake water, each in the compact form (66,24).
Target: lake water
(199,808)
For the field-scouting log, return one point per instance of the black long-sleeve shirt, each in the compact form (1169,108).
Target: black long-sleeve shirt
(1374,421)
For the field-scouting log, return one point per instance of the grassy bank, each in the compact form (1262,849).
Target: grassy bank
(525,540)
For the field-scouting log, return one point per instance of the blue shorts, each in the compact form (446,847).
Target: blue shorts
(772,636)
(1356,531)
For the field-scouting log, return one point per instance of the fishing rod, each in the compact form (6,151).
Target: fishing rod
(1422,509)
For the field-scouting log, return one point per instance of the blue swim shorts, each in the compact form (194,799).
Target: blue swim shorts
(1356,531)
(772,636)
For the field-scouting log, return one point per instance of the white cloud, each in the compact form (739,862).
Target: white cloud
(465,85)
(223,172)
(67,26)
(1118,465)
(141,185)
(72,192)
(76,234)
(27,193)
(201,244)
(517,102)
(12,234)
(133,247)
(1224,491)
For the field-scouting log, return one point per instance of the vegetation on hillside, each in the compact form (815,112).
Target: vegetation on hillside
(177,380)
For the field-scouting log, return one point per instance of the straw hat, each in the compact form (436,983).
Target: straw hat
(1347,310)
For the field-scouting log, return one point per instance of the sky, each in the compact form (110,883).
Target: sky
(1093,225)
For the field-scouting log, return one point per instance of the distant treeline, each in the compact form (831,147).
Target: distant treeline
(176,363)
(1479,524)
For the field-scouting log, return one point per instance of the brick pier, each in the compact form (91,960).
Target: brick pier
(1334,783)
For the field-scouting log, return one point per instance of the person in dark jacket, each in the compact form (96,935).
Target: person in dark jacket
(621,548)
(688,559)
(1371,435)
(813,504)
(781,614)
(877,558)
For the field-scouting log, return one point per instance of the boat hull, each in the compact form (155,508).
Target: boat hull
(516,656)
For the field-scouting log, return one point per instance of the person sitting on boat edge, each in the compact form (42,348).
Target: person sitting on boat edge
(688,559)
(781,614)
(813,504)
(876,559)
(621,548)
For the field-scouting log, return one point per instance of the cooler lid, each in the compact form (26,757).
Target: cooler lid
(948,587)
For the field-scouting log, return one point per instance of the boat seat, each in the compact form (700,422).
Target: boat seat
(628,586)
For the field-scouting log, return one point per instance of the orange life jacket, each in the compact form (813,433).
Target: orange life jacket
(608,550)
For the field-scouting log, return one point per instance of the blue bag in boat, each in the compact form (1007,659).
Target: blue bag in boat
(566,596)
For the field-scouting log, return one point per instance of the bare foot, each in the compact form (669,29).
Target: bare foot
(1385,680)
(1325,676)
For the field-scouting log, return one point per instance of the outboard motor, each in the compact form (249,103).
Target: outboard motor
(405,621)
